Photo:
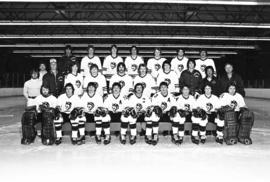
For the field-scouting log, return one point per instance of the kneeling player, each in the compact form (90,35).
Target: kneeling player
(238,119)
(162,103)
(134,108)
(94,110)
(66,103)
(210,104)
(185,104)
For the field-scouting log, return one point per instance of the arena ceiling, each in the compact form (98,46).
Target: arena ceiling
(42,29)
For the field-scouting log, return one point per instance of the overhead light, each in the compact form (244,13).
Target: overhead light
(173,37)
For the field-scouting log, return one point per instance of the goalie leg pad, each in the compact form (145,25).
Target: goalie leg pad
(48,131)
(28,131)
(231,128)
(246,122)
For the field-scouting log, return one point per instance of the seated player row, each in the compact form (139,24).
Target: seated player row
(162,106)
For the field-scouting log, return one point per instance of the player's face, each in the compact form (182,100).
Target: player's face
(134,51)
(45,91)
(116,90)
(139,89)
(42,67)
(180,53)
(167,68)
(53,66)
(91,90)
(209,72)
(74,68)
(232,90)
(91,51)
(69,91)
(157,53)
(114,50)
(94,71)
(68,51)
(185,91)
(191,65)
(228,68)
(203,54)
(142,71)
(164,90)
(34,75)
(207,90)
(121,69)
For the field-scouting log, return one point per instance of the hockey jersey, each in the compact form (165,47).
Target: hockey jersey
(110,64)
(87,62)
(114,104)
(132,65)
(76,81)
(67,104)
(172,80)
(178,66)
(186,104)
(209,104)
(236,101)
(90,104)
(125,82)
(49,102)
(148,83)
(101,83)
(155,66)
(165,102)
(202,64)
(138,103)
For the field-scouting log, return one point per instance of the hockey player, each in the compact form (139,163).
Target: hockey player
(96,77)
(122,78)
(146,79)
(211,80)
(76,79)
(169,76)
(192,78)
(88,60)
(210,104)
(134,107)
(203,62)
(154,64)
(133,61)
(162,103)
(94,110)
(31,88)
(185,104)
(66,103)
(179,63)
(239,127)
(110,62)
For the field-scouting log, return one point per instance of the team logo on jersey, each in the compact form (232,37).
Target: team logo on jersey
(203,67)
(96,84)
(187,107)
(113,65)
(90,64)
(46,104)
(90,106)
(68,105)
(168,81)
(163,106)
(233,104)
(134,67)
(78,83)
(122,83)
(144,84)
(157,67)
(115,107)
(180,67)
(138,107)
(209,107)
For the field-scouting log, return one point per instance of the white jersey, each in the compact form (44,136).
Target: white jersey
(132,65)
(138,103)
(111,63)
(171,78)
(87,62)
(49,102)
(125,82)
(114,104)
(209,104)
(148,82)
(165,102)
(32,87)
(178,66)
(67,104)
(101,83)
(201,64)
(90,104)
(76,81)
(186,104)
(155,66)
(235,101)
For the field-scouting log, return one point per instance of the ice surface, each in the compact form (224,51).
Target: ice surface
(141,162)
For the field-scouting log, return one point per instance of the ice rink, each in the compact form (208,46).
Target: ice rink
(141,162)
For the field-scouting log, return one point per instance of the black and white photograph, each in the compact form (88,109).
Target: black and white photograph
(135,90)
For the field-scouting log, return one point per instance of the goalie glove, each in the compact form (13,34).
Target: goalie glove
(57,113)
(173,111)
(125,112)
(158,111)
(195,113)
(202,114)
(182,113)
(221,111)
(149,111)
(133,113)
(74,113)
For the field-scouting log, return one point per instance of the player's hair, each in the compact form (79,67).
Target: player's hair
(93,66)
(202,51)
(163,84)
(207,85)
(231,84)
(228,64)
(135,48)
(142,65)
(180,50)
(69,85)
(138,84)
(209,67)
(68,47)
(93,84)
(43,64)
(44,86)
(114,46)
(72,64)
(34,70)
(116,84)
(157,49)
(121,64)
(166,62)
(90,46)
(191,60)
(185,86)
